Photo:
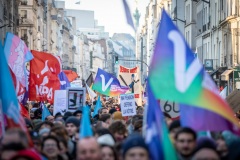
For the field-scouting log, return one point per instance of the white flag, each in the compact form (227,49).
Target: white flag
(223,93)
(91,93)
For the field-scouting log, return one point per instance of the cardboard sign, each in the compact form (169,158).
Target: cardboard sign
(127,102)
(60,102)
(76,98)
(131,77)
(171,108)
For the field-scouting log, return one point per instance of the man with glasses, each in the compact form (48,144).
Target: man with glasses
(185,143)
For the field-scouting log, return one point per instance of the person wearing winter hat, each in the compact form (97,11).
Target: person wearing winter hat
(72,125)
(206,149)
(28,154)
(112,110)
(117,116)
(29,124)
(66,115)
(10,150)
(106,139)
(44,132)
(135,148)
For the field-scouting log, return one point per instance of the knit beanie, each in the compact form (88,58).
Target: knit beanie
(112,110)
(73,120)
(27,154)
(44,130)
(134,140)
(28,123)
(106,139)
(117,115)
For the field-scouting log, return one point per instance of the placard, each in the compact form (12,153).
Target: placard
(127,102)
(76,98)
(171,108)
(60,102)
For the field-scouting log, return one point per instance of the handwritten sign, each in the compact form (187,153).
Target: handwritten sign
(60,102)
(171,108)
(127,103)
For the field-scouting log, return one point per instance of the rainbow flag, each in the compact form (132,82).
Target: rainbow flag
(107,84)
(176,75)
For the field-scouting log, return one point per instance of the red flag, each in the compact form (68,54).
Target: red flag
(24,112)
(19,88)
(44,70)
(71,75)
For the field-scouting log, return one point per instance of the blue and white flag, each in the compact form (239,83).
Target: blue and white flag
(157,138)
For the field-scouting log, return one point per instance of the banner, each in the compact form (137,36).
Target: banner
(127,103)
(105,83)
(131,77)
(60,102)
(44,70)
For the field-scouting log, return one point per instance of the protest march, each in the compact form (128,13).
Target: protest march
(178,114)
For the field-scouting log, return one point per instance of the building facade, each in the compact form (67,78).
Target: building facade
(9,17)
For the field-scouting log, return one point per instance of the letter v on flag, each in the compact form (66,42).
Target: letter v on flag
(105,83)
(176,75)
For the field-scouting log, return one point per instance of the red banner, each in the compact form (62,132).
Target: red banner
(44,70)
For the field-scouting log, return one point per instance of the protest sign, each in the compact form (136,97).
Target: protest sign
(171,108)
(131,77)
(60,102)
(127,102)
(76,98)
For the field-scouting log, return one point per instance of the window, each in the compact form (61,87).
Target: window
(23,33)
(23,14)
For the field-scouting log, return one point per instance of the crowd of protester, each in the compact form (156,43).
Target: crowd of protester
(115,137)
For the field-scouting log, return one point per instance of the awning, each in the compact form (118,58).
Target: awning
(225,75)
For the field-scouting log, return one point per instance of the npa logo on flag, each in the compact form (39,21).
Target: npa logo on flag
(107,84)
(44,70)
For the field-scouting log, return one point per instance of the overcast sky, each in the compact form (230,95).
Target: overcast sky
(110,13)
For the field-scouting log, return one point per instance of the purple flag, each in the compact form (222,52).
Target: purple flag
(105,83)
(128,15)
(63,81)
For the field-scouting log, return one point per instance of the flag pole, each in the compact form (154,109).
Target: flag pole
(2,120)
